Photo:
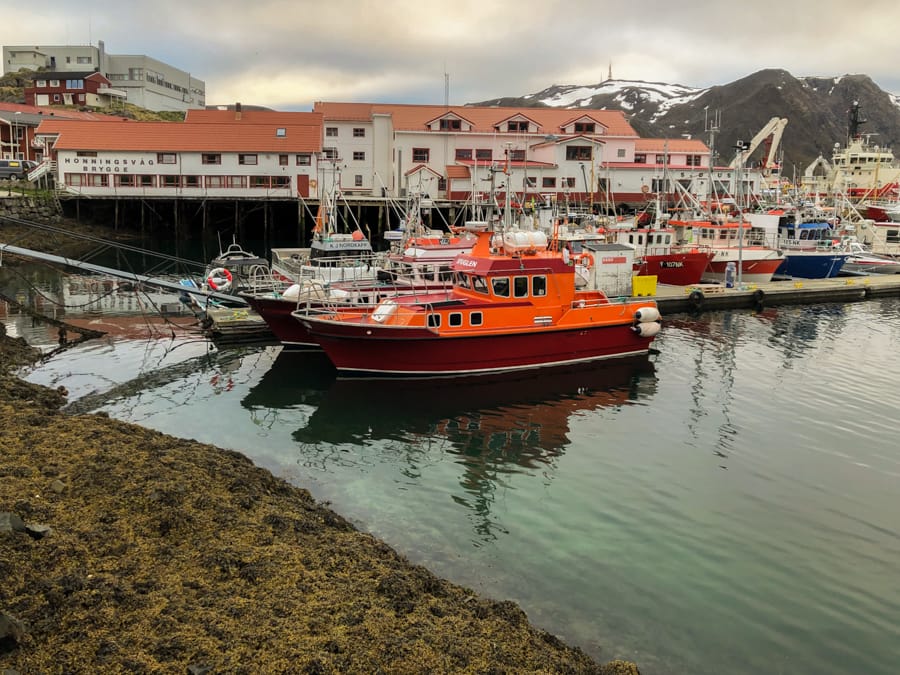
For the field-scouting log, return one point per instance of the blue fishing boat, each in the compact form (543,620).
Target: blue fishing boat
(809,249)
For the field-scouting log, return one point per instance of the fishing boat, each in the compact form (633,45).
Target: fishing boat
(513,305)
(861,261)
(333,255)
(737,241)
(808,246)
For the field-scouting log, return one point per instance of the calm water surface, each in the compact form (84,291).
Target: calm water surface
(730,505)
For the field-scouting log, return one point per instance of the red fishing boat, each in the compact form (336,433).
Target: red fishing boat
(513,305)
(661,251)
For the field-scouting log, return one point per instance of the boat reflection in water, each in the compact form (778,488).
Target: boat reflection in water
(516,423)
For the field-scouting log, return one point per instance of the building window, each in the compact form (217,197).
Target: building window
(442,184)
(450,125)
(420,154)
(74,84)
(236,181)
(620,152)
(484,153)
(56,98)
(463,153)
(359,132)
(40,83)
(517,126)
(54,83)
(124,180)
(247,160)
(215,181)
(190,181)
(693,160)
(281,181)
(331,132)
(304,160)
(259,181)
(81,97)
(660,159)
(359,156)
(86,153)
(146,181)
(82,59)
(209,158)
(548,181)
(529,182)
(584,127)
(640,158)
(357,180)
(281,132)
(569,182)
(330,153)
(169,181)
(165,158)
(282,160)
(517,155)
(579,153)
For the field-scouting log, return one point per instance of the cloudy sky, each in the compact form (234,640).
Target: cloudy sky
(286,54)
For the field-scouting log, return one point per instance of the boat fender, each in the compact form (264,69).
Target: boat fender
(645,314)
(759,297)
(696,299)
(647,329)
(384,311)
(867,292)
(219,279)
(292,292)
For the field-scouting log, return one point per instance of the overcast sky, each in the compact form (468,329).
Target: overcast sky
(287,54)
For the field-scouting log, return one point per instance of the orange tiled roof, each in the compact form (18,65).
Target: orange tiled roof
(692,145)
(179,137)
(484,119)
(457,171)
(252,117)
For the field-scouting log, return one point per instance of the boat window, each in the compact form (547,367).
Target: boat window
(500,286)
(539,286)
(475,319)
(455,319)
(520,287)
(462,280)
(479,284)
(446,274)
(434,320)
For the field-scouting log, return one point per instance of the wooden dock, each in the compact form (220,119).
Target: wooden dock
(710,297)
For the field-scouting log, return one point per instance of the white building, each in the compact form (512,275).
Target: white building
(148,83)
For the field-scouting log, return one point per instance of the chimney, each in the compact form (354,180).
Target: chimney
(237,110)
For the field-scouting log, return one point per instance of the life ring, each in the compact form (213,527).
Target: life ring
(645,189)
(219,279)
(313,184)
(586,260)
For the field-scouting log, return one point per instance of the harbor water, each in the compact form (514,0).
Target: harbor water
(730,504)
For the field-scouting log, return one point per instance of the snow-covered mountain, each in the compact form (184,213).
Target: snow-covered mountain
(816,108)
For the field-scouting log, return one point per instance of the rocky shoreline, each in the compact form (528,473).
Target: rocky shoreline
(127,550)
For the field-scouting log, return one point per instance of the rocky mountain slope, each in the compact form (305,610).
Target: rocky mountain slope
(816,109)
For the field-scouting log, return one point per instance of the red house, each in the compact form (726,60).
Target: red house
(71,88)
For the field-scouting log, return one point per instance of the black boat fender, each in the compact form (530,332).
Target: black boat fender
(696,298)
(759,298)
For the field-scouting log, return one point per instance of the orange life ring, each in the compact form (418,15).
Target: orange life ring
(219,279)
(586,260)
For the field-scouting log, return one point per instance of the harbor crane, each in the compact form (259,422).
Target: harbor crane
(771,132)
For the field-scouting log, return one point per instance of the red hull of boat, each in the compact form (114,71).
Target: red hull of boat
(675,269)
(752,271)
(368,348)
(276,312)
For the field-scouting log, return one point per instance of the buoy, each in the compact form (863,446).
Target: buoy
(696,299)
(219,279)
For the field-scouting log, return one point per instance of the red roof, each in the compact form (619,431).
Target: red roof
(180,137)
(457,171)
(483,119)
(271,117)
(670,145)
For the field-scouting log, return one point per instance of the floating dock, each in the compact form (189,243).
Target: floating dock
(711,297)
